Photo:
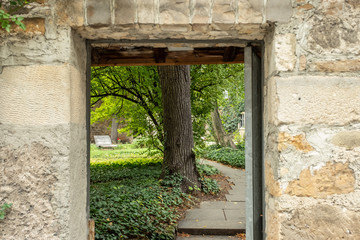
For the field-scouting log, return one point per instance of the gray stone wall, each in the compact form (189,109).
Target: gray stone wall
(312,123)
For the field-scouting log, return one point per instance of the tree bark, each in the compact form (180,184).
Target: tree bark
(114,128)
(178,143)
(221,137)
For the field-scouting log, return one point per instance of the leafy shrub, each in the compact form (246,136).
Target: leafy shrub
(232,157)
(209,185)
(206,170)
(136,205)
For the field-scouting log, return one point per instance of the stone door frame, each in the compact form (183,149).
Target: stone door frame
(254,75)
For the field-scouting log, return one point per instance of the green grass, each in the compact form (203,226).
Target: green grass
(229,156)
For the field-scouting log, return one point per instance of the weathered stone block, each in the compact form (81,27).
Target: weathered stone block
(174,12)
(28,182)
(70,13)
(285,55)
(147,11)
(331,179)
(224,11)
(98,12)
(272,186)
(249,14)
(322,221)
(278,11)
(348,139)
(352,65)
(125,11)
(40,94)
(299,142)
(201,12)
(316,99)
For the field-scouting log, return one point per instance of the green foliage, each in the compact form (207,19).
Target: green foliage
(209,185)
(232,157)
(3,210)
(134,94)
(7,13)
(206,170)
(128,201)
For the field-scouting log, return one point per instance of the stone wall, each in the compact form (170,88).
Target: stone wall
(42,129)
(312,136)
(312,122)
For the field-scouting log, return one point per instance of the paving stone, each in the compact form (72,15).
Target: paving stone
(219,217)
(235,197)
(205,214)
(207,237)
(235,215)
(222,205)
(212,227)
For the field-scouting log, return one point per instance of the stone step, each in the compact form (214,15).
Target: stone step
(207,237)
(214,218)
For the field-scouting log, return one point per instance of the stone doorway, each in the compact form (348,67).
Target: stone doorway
(162,52)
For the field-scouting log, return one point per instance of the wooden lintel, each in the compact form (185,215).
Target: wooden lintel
(229,54)
(160,55)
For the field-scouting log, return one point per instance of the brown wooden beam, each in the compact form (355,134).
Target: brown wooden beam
(161,56)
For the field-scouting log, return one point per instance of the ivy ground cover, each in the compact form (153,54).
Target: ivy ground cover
(127,200)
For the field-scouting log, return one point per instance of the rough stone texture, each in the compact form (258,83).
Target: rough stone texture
(20,88)
(278,11)
(317,99)
(147,11)
(298,141)
(285,59)
(322,221)
(202,12)
(98,12)
(331,179)
(125,11)
(352,65)
(348,140)
(174,12)
(224,11)
(248,13)
(28,183)
(272,186)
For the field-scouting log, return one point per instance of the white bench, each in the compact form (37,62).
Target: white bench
(103,141)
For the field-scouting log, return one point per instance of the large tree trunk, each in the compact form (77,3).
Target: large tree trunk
(114,128)
(178,155)
(221,137)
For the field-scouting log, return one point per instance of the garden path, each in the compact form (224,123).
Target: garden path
(218,217)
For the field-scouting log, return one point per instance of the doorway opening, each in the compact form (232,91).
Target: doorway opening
(190,53)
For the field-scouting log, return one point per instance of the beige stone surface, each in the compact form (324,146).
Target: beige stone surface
(28,182)
(351,65)
(177,12)
(202,12)
(285,56)
(347,139)
(333,178)
(224,11)
(126,11)
(40,95)
(299,142)
(272,186)
(272,225)
(317,99)
(322,222)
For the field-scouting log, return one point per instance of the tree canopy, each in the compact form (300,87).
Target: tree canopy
(134,94)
